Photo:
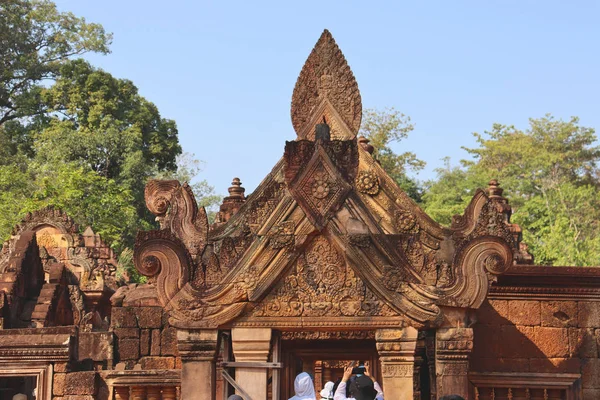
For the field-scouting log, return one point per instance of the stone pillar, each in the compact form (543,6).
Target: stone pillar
(169,393)
(452,350)
(197,349)
(396,348)
(121,392)
(420,365)
(251,345)
(138,393)
(318,375)
(153,393)
(430,351)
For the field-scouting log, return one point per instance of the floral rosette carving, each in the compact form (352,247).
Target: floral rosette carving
(150,266)
(367,182)
(321,186)
(405,221)
(494,264)
(249,278)
(391,278)
(282,235)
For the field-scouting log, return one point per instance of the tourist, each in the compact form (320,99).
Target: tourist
(362,387)
(304,388)
(327,392)
(452,397)
(19,396)
(235,397)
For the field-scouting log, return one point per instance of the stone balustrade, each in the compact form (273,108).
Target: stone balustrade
(151,392)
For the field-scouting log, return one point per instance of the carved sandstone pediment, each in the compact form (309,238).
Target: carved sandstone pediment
(328,239)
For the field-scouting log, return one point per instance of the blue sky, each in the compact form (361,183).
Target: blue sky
(225,71)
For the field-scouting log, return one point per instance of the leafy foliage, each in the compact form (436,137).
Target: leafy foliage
(74,136)
(382,128)
(549,173)
(36,40)
(188,169)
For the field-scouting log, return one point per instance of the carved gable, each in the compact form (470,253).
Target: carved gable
(328,239)
(321,284)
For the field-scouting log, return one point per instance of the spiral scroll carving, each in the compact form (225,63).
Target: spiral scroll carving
(162,256)
(478,264)
(176,210)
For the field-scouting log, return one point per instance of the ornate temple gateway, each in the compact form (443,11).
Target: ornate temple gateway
(327,261)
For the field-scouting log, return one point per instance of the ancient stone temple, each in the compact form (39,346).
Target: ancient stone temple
(326,262)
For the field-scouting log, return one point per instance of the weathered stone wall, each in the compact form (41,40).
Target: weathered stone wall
(143,336)
(532,336)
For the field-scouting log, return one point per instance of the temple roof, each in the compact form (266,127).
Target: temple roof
(327,239)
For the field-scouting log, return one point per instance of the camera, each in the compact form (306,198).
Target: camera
(360,370)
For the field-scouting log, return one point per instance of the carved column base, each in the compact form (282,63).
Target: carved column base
(169,393)
(121,392)
(251,345)
(197,350)
(138,393)
(396,348)
(153,393)
(453,347)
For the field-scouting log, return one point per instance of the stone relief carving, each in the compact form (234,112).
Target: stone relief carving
(326,87)
(321,284)
(367,182)
(326,335)
(327,234)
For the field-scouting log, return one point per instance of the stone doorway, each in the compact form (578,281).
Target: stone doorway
(12,385)
(324,359)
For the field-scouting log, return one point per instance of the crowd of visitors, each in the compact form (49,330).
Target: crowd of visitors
(354,385)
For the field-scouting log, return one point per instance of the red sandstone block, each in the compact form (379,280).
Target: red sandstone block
(516,342)
(123,317)
(123,333)
(149,317)
(80,383)
(493,312)
(60,367)
(589,314)
(552,342)
(559,314)
(58,384)
(145,342)
(591,394)
(590,373)
(155,343)
(129,349)
(157,362)
(97,346)
(554,365)
(168,342)
(524,312)
(582,343)
(500,364)
(487,341)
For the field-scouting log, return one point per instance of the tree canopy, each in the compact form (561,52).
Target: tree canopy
(550,175)
(72,135)
(383,128)
(36,41)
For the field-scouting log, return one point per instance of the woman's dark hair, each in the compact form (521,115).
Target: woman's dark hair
(451,397)
(336,384)
(352,379)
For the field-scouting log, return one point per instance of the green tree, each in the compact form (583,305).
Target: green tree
(71,135)
(102,122)
(36,40)
(188,170)
(549,175)
(383,128)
